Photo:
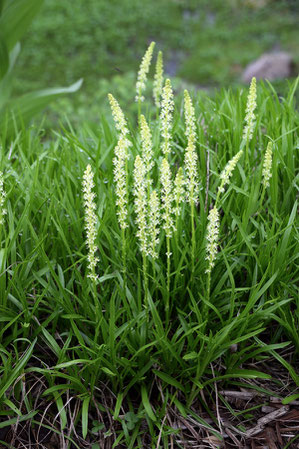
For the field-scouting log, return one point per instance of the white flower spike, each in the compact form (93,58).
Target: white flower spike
(90,221)
(143,71)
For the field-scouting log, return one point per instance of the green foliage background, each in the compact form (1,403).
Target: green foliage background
(208,42)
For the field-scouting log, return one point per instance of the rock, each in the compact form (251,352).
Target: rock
(270,66)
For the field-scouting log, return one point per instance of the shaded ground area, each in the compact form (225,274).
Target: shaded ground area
(249,414)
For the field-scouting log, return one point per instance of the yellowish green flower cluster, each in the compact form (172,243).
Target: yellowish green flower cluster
(212,238)
(179,191)
(120,161)
(146,144)
(141,203)
(166,116)
(118,116)
(191,159)
(143,71)
(153,224)
(3,211)
(189,117)
(228,171)
(167,199)
(191,173)
(158,80)
(90,221)
(267,166)
(250,118)
(120,179)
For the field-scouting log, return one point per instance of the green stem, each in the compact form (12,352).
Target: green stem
(97,312)
(168,280)
(139,109)
(145,283)
(247,155)
(262,198)
(157,114)
(217,198)
(205,307)
(124,259)
(193,243)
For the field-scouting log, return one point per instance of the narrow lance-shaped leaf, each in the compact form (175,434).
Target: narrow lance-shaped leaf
(16,17)
(25,107)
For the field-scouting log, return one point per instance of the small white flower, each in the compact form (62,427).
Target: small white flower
(212,238)
(167,198)
(267,165)
(118,116)
(250,118)
(158,80)
(143,71)
(146,144)
(189,118)
(3,211)
(90,221)
(166,116)
(153,224)
(120,179)
(228,171)
(191,167)
(140,203)
(179,190)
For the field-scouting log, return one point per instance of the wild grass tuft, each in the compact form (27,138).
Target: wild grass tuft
(167,311)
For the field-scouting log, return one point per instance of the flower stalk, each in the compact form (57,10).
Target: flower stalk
(267,170)
(226,174)
(147,149)
(166,117)
(167,219)
(212,244)
(3,210)
(191,163)
(141,218)
(91,232)
(158,81)
(142,75)
(120,162)
(249,118)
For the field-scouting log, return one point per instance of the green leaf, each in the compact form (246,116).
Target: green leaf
(108,371)
(169,380)
(52,342)
(4,58)
(240,373)
(85,406)
(289,399)
(190,356)
(25,107)
(71,363)
(12,421)
(248,374)
(1,6)
(12,406)
(16,17)
(146,403)
(5,82)
(17,369)
(118,405)
(61,409)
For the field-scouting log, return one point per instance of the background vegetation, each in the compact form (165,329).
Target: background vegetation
(207,43)
(106,367)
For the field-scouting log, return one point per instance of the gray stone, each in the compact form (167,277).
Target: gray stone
(270,66)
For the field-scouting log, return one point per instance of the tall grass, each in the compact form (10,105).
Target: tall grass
(161,328)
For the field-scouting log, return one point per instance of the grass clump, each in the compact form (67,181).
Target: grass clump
(187,269)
